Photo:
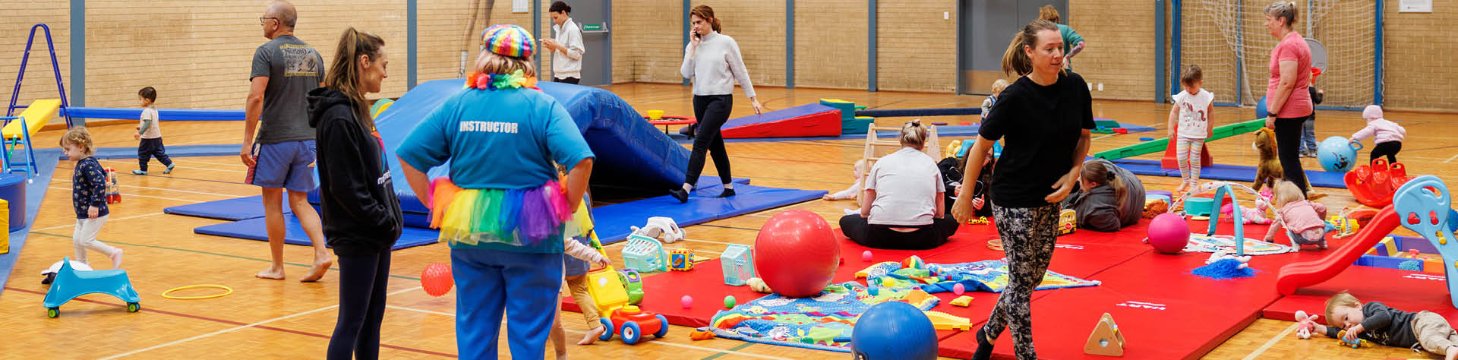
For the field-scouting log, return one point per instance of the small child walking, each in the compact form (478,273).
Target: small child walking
(88,196)
(149,132)
(1300,217)
(1386,134)
(1192,109)
(1378,323)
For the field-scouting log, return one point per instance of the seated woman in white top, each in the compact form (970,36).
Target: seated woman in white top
(904,208)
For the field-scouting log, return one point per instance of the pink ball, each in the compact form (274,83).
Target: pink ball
(1226,209)
(687,301)
(1168,233)
(958,289)
(796,253)
(866,256)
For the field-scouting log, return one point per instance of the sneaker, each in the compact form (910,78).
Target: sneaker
(169,168)
(727,193)
(139,172)
(680,194)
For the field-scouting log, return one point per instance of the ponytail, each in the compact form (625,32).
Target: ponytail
(1099,173)
(913,135)
(1015,59)
(707,13)
(344,73)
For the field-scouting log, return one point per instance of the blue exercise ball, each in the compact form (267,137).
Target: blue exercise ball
(1336,154)
(894,330)
(1261,112)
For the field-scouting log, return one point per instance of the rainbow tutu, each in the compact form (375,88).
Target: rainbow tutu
(517,217)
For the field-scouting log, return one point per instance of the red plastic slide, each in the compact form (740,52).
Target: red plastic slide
(1298,275)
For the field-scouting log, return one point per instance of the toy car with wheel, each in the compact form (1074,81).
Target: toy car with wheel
(631,323)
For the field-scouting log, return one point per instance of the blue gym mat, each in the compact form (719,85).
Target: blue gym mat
(46,161)
(162,114)
(242,208)
(254,229)
(1227,172)
(172,151)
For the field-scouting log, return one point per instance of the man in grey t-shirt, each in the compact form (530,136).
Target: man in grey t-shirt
(281,154)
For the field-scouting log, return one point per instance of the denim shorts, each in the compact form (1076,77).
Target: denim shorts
(288,165)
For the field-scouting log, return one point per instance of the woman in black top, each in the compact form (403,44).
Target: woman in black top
(361,214)
(1045,117)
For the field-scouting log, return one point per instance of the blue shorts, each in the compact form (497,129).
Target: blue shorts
(573,266)
(288,165)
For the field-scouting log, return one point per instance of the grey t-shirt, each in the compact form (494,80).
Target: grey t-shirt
(293,69)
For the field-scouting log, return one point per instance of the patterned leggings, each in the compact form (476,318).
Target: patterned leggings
(1187,152)
(1028,235)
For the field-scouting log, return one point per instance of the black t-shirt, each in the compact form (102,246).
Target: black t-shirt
(1042,125)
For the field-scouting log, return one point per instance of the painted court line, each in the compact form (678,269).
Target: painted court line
(1269,343)
(136,195)
(1451,158)
(241,327)
(109,220)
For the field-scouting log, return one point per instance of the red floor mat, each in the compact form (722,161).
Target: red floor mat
(1400,289)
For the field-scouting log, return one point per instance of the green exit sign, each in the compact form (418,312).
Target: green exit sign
(598,27)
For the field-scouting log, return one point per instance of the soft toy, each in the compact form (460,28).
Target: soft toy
(1268,171)
(1305,324)
(662,228)
(758,285)
(1227,254)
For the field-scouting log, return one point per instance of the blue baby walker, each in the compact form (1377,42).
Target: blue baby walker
(70,284)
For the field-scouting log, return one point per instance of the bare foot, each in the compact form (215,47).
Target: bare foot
(321,267)
(116,259)
(271,273)
(591,336)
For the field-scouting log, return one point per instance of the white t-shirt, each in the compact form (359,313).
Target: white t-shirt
(568,65)
(908,185)
(1194,122)
(154,131)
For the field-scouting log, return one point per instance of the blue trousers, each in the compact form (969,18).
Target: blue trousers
(490,283)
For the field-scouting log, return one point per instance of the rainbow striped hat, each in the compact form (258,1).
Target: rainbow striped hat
(509,41)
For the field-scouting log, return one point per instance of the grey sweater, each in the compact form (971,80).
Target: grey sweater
(715,66)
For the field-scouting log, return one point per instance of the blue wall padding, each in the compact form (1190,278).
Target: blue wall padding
(162,114)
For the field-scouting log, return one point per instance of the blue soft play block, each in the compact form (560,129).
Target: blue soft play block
(1226,172)
(704,205)
(255,229)
(242,208)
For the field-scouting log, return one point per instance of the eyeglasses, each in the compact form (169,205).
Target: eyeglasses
(265,18)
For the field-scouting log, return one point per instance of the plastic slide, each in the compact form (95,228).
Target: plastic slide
(36,116)
(1302,274)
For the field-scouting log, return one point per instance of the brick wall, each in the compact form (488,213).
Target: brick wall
(442,34)
(830,44)
(759,28)
(1418,75)
(648,41)
(1120,46)
(915,48)
(39,80)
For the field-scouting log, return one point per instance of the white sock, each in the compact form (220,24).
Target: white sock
(687,187)
(729,186)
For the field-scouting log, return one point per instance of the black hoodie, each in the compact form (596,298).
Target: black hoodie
(361,214)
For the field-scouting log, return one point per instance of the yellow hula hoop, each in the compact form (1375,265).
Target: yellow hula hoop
(226,291)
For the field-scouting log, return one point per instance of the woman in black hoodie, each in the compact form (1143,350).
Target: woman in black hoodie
(361,214)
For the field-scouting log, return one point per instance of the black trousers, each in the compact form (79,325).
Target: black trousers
(1388,149)
(712,111)
(570,80)
(362,288)
(882,237)
(149,148)
(1288,150)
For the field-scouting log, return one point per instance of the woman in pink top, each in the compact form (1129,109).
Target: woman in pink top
(1300,217)
(1290,70)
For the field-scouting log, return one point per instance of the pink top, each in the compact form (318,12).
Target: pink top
(1382,130)
(1292,48)
(1302,215)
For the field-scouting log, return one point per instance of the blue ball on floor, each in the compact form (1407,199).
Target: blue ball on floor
(894,330)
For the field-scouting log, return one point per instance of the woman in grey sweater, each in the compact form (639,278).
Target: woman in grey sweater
(713,62)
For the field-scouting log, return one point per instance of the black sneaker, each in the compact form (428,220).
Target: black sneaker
(984,347)
(688,131)
(727,193)
(680,194)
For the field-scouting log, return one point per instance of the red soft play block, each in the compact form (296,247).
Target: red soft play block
(811,120)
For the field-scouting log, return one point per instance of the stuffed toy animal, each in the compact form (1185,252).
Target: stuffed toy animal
(1224,254)
(1305,324)
(662,228)
(1269,171)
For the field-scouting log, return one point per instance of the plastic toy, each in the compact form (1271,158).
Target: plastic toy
(945,321)
(633,284)
(738,263)
(1199,206)
(686,301)
(1067,222)
(1305,324)
(1343,226)
(1337,154)
(758,285)
(49,274)
(681,259)
(866,256)
(1224,191)
(611,297)
(980,220)
(894,330)
(113,191)
(70,284)
(963,301)
(1105,340)
(959,289)
(1374,185)
(661,228)
(1354,343)
(796,253)
(436,279)
(644,254)
(702,333)
(1168,233)
(729,302)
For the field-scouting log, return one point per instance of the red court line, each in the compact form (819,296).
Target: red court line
(236,323)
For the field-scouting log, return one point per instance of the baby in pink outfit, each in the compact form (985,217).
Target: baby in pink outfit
(1386,135)
(1301,218)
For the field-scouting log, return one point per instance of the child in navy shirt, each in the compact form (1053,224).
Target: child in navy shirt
(88,195)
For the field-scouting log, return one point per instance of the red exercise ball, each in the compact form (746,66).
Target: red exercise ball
(796,253)
(436,279)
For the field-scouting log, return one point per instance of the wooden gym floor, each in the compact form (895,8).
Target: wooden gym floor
(288,319)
